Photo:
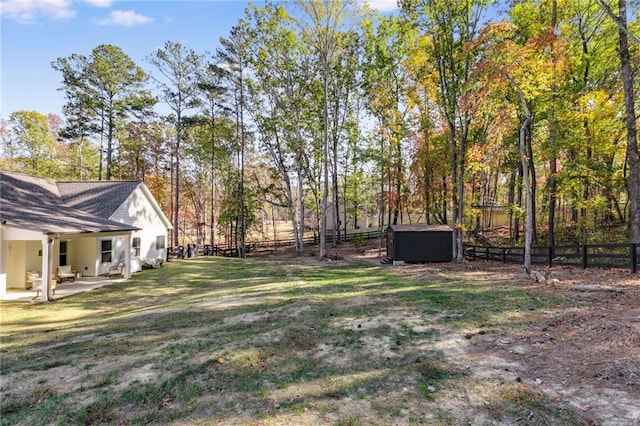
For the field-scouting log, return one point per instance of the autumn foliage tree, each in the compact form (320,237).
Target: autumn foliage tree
(528,68)
(324,113)
(451,26)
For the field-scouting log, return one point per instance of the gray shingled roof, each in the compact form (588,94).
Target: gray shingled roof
(33,203)
(99,198)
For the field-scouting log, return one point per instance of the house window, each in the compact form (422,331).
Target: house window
(63,253)
(105,251)
(160,242)
(136,246)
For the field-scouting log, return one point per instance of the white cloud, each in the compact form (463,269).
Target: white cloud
(383,5)
(127,18)
(100,3)
(26,11)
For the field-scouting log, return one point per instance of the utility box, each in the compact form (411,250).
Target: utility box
(419,243)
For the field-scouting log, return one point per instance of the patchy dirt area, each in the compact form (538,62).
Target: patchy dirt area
(584,353)
(310,342)
(587,355)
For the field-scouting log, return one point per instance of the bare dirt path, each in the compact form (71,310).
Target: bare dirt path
(379,357)
(586,356)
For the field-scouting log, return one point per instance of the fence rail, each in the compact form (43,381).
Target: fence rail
(191,250)
(584,255)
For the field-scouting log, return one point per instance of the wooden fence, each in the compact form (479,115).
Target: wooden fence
(584,255)
(191,250)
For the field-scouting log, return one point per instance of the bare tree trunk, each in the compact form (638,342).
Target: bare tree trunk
(457,224)
(212,239)
(300,213)
(632,136)
(176,191)
(344,201)
(428,179)
(511,201)
(109,144)
(398,188)
(241,248)
(528,229)
(533,181)
(325,159)
(101,144)
(293,214)
(444,213)
(459,249)
(553,162)
(524,129)
(336,194)
(382,205)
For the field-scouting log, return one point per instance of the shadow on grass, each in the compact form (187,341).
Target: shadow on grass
(221,336)
(526,405)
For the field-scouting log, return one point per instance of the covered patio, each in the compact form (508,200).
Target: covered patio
(63,290)
(39,233)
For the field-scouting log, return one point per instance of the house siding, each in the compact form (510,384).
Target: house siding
(117,253)
(16,265)
(138,211)
(21,256)
(83,256)
(33,261)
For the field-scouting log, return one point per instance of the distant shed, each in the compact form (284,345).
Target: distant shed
(419,243)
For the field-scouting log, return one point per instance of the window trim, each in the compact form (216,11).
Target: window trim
(64,253)
(108,252)
(136,248)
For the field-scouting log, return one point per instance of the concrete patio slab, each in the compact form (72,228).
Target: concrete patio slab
(64,289)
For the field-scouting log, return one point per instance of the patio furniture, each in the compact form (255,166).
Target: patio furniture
(65,273)
(116,270)
(38,288)
(33,279)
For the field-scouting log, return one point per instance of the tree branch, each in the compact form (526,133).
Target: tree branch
(616,19)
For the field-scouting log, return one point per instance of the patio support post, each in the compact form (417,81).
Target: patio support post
(127,256)
(3,262)
(47,249)
(51,274)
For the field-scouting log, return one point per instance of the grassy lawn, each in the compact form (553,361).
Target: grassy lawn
(230,341)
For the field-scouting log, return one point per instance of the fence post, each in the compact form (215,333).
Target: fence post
(551,250)
(584,256)
(634,258)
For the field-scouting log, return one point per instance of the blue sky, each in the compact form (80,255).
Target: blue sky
(36,32)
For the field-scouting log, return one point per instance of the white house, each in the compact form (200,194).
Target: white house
(91,226)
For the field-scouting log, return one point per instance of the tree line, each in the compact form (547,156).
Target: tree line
(325,112)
